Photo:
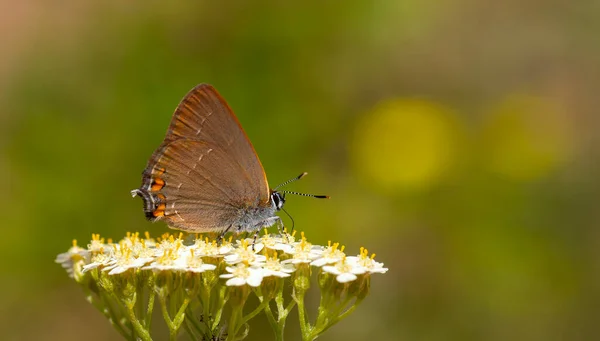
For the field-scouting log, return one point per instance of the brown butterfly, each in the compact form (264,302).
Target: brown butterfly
(206,176)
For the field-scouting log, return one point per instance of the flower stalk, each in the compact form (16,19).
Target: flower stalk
(203,288)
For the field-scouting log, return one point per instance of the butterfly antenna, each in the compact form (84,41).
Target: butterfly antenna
(292,219)
(296,193)
(291,180)
(307,195)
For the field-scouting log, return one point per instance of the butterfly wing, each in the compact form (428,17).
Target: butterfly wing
(206,172)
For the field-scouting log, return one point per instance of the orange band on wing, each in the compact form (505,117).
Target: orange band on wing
(157,184)
(159,211)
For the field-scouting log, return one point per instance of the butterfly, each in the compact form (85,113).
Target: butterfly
(206,176)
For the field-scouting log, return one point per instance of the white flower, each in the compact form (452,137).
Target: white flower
(204,248)
(255,245)
(194,263)
(303,251)
(101,259)
(73,259)
(143,254)
(125,260)
(244,253)
(168,243)
(149,242)
(96,245)
(169,260)
(241,274)
(344,271)
(367,263)
(277,242)
(140,248)
(330,255)
(272,267)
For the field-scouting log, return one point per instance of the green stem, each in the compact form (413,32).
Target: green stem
(205,301)
(271,318)
(282,313)
(344,314)
(219,308)
(257,310)
(305,328)
(150,308)
(289,308)
(141,332)
(139,306)
(164,309)
(179,318)
(151,295)
(336,316)
(236,315)
(172,299)
(192,319)
(112,296)
(192,333)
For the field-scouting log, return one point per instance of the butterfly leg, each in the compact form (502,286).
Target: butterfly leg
(277,221)
(254,239)
(222,235)
(282,231)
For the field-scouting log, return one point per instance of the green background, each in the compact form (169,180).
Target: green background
(457,140)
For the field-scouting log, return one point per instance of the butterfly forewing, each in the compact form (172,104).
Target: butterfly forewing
(205,170)
(204,115)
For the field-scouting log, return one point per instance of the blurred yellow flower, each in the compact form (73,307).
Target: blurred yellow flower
(526,137)
(405,144)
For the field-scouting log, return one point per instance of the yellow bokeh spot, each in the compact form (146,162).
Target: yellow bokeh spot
(405,144)
(526,138)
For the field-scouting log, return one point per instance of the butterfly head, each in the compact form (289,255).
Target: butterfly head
(278,199)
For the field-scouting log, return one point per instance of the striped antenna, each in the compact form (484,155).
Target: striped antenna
(307,195)
(296,193)
(291,180)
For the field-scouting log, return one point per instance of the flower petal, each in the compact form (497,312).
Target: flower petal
(235,281)
(346,277)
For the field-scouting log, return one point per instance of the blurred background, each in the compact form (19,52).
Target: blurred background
(457,140)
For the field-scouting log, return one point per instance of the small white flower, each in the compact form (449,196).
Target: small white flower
(330,255)
(244,253)
(303,251)
(169,260)
(140,249)
(344,271)
(143,255)
(168,243)
(125,260)
(367,263)
(277,242)
(194,263)
(101,259)
(241,274)
(149,242)
(255,245)
(273,267)
(205,248)
(96,245)
(73,259)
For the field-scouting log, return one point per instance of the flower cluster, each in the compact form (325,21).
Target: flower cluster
(194,279)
